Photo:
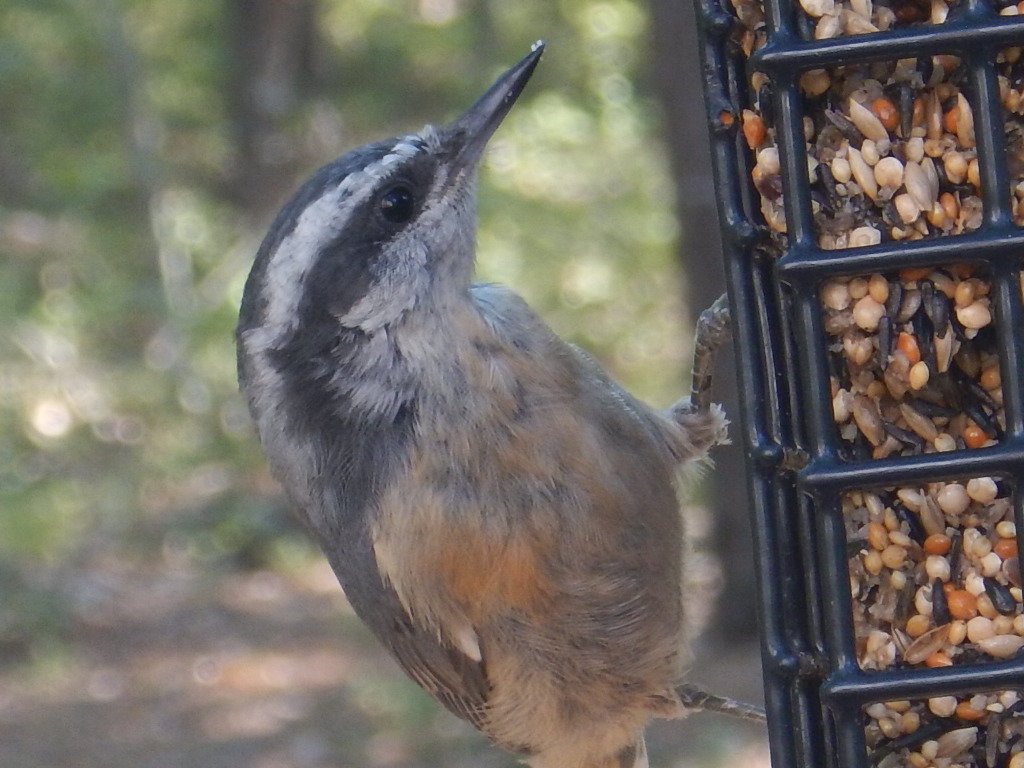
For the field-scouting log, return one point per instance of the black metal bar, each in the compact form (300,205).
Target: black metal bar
(835,577)
(821,437)
(785,57)
(856,687)
(829,474)
(1010,315)
(993,243)
(995,181)
(790,138)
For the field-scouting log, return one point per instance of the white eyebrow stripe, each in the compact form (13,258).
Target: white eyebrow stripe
(408,147)
(285,278)
(284,282)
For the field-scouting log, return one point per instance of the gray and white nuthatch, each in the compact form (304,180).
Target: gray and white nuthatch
(501,513)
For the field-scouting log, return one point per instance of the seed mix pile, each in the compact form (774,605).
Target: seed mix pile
(946,732)
(936,581)
(891,152)
(891,156)
(934,574)
(890,145)
(914,362)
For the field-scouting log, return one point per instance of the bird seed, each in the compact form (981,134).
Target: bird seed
(914,361)
(934,575)
(974,730)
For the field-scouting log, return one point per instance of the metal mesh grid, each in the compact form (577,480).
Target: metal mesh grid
(814,686)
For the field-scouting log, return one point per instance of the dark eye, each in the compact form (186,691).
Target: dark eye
(397,204)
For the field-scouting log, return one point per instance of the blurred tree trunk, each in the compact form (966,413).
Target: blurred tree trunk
(676,79)
(272,45)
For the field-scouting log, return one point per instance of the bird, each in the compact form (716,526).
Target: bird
(501,513)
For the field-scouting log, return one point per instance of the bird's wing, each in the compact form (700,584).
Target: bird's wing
(688,432)
(454,679)
(351,461)
(514,319)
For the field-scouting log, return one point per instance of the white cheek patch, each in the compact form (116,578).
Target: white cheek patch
(394,292)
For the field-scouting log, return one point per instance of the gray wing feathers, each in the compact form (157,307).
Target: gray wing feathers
(455,680)
(512,317)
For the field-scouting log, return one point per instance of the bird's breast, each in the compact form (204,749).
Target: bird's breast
(471,526)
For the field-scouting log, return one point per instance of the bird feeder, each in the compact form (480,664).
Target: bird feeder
(869,164)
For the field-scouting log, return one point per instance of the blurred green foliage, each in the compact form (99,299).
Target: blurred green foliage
(131,206)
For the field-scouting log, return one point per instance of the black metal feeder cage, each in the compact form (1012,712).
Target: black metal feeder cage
(869,163)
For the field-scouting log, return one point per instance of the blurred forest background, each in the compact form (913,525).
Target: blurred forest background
(157,605)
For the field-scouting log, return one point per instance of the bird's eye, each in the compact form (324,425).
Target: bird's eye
(397,204)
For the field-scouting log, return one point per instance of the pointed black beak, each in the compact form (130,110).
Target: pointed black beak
(470,132)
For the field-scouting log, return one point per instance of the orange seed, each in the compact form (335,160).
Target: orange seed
(886,112)
(908,345)
(962,604)
(974,436)
(1005,548)
(754,130)
(938,659)
(937,544)
(965,711)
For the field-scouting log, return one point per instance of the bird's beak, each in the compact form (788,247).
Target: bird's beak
(470,132)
